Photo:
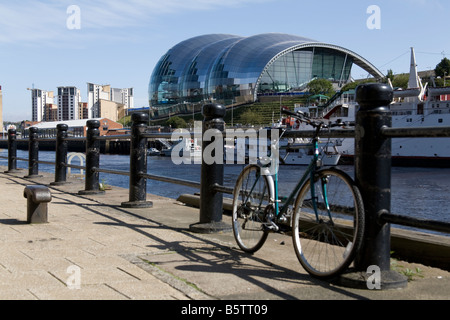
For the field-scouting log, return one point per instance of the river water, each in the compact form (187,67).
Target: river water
(416,192)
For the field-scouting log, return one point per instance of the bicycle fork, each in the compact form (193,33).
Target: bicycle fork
(323,185)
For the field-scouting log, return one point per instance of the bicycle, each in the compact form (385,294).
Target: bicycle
(326,218)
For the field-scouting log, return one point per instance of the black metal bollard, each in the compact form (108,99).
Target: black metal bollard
(33,154)
(138,163)
(61,155)
(211,201)
(92,183)
(12,151)
(373,176)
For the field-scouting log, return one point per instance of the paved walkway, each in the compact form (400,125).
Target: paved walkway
(94,249)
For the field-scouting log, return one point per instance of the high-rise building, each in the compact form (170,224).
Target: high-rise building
(122,97)
(50,112)
(83,110)
(39,99)
(97,92)
(68,100)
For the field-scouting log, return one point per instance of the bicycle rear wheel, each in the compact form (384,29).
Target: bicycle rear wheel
(328,223)
(251,197)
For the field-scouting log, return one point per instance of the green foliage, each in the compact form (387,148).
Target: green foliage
(125,121)
(401,81)
(321,86)
(251,117)
(390,75)
(409,273)
(443,68)
(176,122)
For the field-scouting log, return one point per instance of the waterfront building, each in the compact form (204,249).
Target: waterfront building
(76,128)
(111,110)
(235,70)
(99,97)
(50,112)
(83,111)
(39,99)
(68,99)
(123,96)
(97,92)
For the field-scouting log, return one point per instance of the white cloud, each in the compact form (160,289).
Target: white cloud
(32,21)
(27,21)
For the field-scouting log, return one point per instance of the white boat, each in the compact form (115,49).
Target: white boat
(153,152)
(419,106)
(188,148)
(300,152)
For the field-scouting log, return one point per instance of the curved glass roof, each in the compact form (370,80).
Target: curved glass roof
(231,69)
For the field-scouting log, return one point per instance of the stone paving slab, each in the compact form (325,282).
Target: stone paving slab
(150,254)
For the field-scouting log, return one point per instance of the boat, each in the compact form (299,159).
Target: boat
(186,148)
(153,152)
(418,106)
(300,152)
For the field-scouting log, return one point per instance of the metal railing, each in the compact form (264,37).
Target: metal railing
(372,134)
(138,164)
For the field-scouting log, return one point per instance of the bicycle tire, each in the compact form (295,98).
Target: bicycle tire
(326,247)
(250,199)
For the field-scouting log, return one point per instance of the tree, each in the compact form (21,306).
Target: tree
(176,122)
(390,75)
(401,81)
(250,117)
(321,86)
(443,68)
(350,86)
(125,121)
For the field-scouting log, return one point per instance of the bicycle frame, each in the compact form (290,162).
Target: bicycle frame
(311,169)
(309,173)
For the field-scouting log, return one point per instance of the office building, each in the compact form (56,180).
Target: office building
(123,96)
(101,97)
(50,112)
(39,99)
(97,92)
(68,100)
(83,111)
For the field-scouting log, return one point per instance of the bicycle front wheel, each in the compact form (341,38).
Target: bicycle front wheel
(328,223)
(251,198)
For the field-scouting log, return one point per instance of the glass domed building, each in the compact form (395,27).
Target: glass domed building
(234,70)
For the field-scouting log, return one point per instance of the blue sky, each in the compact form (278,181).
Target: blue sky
(120,42)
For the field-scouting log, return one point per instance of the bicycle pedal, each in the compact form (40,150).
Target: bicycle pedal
(271,227)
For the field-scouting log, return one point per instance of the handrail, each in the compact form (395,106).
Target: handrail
(385,131)
(427,132)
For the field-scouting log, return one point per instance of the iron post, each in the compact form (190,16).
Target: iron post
(373,176)
(138,163)
(61,155)
(12,151)
(92,183)
(211,201)
(33,154)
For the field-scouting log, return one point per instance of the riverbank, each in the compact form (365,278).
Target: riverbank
(151,254)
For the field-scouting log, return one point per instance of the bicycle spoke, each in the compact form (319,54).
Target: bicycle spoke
(251,198)
(327,223)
